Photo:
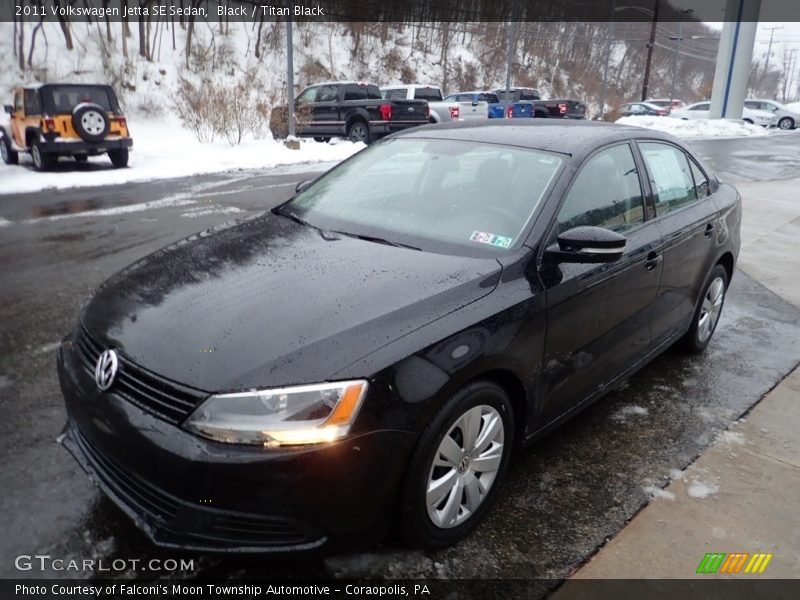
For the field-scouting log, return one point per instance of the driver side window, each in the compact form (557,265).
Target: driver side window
(606,193)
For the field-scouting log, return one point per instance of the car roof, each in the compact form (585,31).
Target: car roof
(408,86)
(565,137)
(341,83)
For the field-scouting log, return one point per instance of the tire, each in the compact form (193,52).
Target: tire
(322,140)
(458,510)
(786,123)
(42,161)
(541,115)
(709,308)
(90,122)
(81,158)
(748,121)
(358,132)
(119,157)
(10,157)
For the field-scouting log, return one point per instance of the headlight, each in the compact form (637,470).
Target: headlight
(306,414)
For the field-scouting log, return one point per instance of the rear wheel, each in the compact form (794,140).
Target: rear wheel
(708,311)
(786,123)
(323,140)
(10,157)
(42,161)
(748,121)
(457,465)
(119,157)
(359,132)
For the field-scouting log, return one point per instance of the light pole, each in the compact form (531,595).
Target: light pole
(650,46)
(685,11)
(613,9)
(290,75)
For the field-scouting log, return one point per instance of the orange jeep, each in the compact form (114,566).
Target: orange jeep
(59,119)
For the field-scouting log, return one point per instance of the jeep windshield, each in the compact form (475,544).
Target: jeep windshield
(62,99)
(440,195)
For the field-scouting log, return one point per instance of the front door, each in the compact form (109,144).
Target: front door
(18,120)
(598,316)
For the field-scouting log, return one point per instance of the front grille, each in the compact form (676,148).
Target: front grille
(192,526)
(167,400)
(134,492)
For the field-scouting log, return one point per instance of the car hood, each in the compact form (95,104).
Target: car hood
(270,302)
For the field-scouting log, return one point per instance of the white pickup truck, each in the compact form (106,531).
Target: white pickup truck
(440,111)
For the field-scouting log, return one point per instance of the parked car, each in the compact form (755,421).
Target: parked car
(642,109)
(440,111)
(497,109)
(554,108)
(65,119)
(786,118)
(670,105)
(700,110)
(371,351)
(357,111)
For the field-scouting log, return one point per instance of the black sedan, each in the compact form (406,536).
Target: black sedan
(642,109)
(370,352)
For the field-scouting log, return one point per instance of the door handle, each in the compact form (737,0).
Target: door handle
(709,230)
(652,260)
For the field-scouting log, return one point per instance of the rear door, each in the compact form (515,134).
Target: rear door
(687,218)
(326,110)
(598,316)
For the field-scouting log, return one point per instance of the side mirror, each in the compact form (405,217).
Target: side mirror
(303,185)
(587,245)
(9,109)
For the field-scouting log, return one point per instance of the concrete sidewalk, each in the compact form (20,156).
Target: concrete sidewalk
(743,494)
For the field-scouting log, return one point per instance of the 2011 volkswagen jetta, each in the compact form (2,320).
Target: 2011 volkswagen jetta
(371,351)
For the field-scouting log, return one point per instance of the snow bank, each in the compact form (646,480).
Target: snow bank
(698,128)
(164,150)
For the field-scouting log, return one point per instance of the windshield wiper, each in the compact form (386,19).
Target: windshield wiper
(378,240)
(278,211)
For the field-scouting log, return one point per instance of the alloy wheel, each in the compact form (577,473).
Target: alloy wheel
(710,309)
(465,466)
(93,122)
(36,154)
(4,150)
(785,123)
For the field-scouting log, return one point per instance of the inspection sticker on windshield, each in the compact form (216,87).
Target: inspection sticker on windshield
(482,237)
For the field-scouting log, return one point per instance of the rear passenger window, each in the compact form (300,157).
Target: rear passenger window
(373,92)
(700,180)
(606,193)
(670,176)
(355,92)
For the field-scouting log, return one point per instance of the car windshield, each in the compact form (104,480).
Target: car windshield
(63,99)
(439,195)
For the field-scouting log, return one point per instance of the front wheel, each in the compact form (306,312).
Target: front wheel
(119,157)
(359,132)
(786,123)
(10,156)
(457,466)
(707,314)
(750,121)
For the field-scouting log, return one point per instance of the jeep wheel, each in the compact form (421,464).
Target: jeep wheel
(42,161)
(91,122)
(119,157)
(10,157)
(358,132)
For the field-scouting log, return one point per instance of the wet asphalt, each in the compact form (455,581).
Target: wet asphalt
(561,500)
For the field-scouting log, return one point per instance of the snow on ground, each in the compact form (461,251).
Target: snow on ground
(627,411)
(697,128)
(657,492)
(699,489)
(164,150)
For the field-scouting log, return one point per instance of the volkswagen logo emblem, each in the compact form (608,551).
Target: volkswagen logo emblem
(106,369)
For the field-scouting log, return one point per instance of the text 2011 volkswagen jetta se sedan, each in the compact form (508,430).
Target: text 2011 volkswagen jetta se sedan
(371,351)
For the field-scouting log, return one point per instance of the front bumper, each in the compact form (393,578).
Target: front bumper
(187,492)
(81,147)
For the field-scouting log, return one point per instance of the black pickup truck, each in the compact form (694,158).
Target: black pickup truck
(557,109)
(355,110)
